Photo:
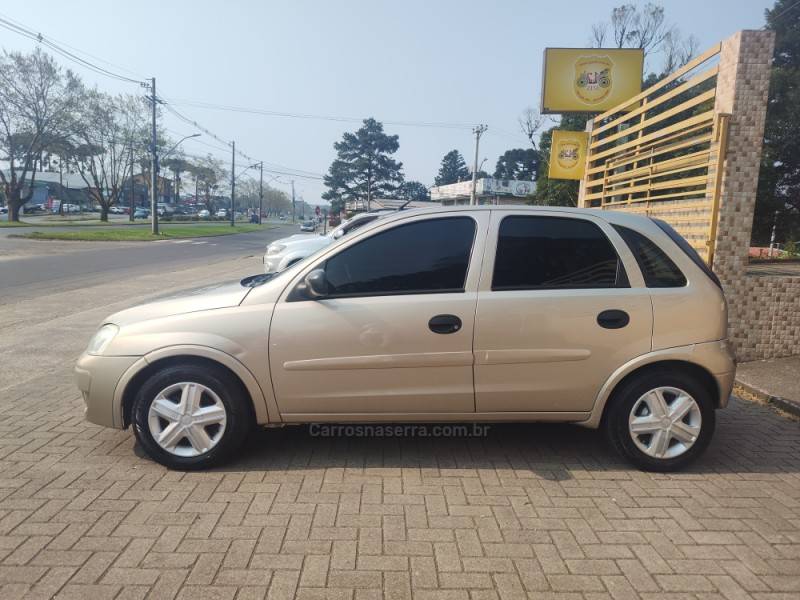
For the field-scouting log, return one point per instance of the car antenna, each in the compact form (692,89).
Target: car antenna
(404,204)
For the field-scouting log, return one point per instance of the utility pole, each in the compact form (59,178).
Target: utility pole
(260,190)
(478,131)
(772,235)
(233,183)
(293,217)
(154,166)
(130,200)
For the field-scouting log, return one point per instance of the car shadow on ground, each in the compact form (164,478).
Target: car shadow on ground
(749,438)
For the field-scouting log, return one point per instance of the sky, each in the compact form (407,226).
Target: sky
(456,62)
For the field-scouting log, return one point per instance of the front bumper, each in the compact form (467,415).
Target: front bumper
(97,378)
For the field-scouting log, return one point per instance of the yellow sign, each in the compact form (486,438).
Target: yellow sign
(568,154)
(590,79)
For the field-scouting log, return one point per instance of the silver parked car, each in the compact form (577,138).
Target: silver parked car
(485,314)
(287,251)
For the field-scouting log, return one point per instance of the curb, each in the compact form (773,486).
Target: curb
(790,406)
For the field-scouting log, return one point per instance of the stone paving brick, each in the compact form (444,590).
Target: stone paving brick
(530,511)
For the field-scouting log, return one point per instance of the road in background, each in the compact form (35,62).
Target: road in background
(30,267)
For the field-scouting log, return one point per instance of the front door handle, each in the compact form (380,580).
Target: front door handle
(613,319)
(444,324)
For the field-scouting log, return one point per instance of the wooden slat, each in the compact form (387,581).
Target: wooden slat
(671,196)
(613,188)
(690,66)
(649,106)
(664,167)
(695,141)
(675,110)
(704,117)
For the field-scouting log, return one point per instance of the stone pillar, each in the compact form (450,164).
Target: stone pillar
(742,88)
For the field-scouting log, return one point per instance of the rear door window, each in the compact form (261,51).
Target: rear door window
(537,252)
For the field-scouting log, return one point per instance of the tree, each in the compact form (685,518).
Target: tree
(364,167)
(778,195)
(36,102)
(453,169)
(414,190)
(208,174)
(178,165)
(518,163)
(557,192)
(530,122)
(645,27)
(105,131)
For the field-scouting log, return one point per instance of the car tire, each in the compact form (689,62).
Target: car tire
(190,416)
(646,424)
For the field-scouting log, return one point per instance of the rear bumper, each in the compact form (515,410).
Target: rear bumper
(97,378)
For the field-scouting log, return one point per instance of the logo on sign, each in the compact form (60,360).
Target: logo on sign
(568,153)
(593,78)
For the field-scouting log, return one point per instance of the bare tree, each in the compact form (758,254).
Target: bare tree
(678,50)
(36,102)
(645,27)
(599,35)
(106,131)
(530,122)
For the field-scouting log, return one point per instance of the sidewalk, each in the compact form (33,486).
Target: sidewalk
(775,381)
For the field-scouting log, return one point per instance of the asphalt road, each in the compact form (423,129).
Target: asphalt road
(31,267)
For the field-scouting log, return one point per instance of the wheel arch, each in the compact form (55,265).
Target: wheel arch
(626,373)
(132,380)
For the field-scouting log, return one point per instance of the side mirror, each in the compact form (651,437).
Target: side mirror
(339,233)
(316,284)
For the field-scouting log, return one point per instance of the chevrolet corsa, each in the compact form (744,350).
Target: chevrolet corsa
(484,314)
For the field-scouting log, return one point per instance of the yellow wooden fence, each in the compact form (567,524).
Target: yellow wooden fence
(660,153)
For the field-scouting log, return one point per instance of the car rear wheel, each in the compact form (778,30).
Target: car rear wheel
(189,417)
(660,420)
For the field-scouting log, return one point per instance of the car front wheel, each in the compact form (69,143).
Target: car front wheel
(660,420)
(189,417)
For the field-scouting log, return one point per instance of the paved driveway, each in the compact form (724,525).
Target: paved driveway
(527,511)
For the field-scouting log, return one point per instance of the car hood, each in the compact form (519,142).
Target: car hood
(207,298)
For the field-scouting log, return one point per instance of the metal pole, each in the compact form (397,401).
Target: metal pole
(133,189)
(260,191)
(154,166)
(233,183)
(772,235)
(478,131)
(293,217)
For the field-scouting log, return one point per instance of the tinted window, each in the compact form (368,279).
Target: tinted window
(422,257)
(657,268)
(552,252)
(688,250)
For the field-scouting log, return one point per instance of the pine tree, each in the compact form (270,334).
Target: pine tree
(453,169)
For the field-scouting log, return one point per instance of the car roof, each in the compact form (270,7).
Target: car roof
(611,216)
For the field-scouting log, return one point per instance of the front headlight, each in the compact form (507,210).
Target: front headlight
(275,249)
(102,339)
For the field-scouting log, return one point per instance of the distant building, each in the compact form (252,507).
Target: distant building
(141,191)
(360,205)
(488,190)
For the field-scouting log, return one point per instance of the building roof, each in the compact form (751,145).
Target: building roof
(485,186)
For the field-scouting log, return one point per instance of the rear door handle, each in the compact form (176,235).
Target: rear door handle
(444,324)
(613,319)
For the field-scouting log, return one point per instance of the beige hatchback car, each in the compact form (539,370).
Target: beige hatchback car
(482,314)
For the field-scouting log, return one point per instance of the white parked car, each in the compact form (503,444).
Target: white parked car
(204,214)
(222,213)
(287,251)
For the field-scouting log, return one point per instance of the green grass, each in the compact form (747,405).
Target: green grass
(143,235)
(13,224)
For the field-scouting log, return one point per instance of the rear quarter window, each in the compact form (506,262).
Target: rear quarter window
(657,268)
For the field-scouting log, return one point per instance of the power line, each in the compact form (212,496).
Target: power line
(274,113)
(38,37)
